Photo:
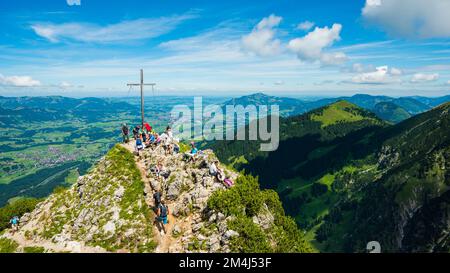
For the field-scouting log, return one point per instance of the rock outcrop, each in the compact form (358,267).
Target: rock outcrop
(111,209)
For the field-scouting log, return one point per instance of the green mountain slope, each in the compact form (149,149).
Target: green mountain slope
(406,206)
(391,112)
(369,179)
(314,128)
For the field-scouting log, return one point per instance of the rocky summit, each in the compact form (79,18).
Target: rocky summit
(110,209)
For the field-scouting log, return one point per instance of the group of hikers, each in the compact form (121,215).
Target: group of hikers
(146,137)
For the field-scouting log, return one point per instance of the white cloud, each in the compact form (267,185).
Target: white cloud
(360,68)
(305,26)
(381,75)
(333,58)
(410,18)
(19,81)
(396,71)
(65,85)
(311,46)
(421,77)
(448,82)
(74,2)
(121,32)
(262,38)
(357,67)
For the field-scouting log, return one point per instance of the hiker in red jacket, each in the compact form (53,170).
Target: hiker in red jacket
(148,127)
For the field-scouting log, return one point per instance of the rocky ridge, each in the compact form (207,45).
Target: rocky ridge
(110,209)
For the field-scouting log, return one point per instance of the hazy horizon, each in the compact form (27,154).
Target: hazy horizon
(149,97)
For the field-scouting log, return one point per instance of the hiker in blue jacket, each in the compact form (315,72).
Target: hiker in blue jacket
(14,223)
(162,215)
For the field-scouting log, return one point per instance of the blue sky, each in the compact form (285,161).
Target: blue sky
(283,47)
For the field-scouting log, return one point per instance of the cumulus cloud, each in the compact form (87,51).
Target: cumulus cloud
(396,71)
(333,58)
(311,46)
(19,81)
(410,18)
(65,85)
(74,2)
(305,26)
(360,68)
(261,40)
(421,77)
(381,75)
(121,32)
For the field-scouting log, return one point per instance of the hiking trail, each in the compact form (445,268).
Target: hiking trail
(164,240)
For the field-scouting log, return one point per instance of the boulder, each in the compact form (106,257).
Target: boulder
(230,234)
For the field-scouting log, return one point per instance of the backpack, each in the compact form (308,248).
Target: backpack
(157,197)
(163,210)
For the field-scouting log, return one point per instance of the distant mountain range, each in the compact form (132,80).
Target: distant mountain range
(34,109)
(291,106)
(349,178)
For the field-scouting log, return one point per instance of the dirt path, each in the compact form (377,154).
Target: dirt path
(164,240)
(52,247)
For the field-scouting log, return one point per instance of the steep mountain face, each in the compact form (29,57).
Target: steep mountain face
(375,182)
(109,210)
(391,112)
(406,206)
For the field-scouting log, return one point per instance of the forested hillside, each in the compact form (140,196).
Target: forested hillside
(348,180)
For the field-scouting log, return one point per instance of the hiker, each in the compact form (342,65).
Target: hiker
(220,175)
(213,170)
(162,214)
(157,199)
(176,148)
(139,145)
(169,149)
(228,182)
(167,143)
(136,131)
(157,139)
(161,171)
(145,138)
(192,154)
(152,139)
(148,128)
(169,132)
(125,133)
(14,223)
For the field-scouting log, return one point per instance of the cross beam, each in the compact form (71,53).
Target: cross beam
(142,84)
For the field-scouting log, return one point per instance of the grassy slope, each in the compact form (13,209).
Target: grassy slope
(121,171)
(341,111)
